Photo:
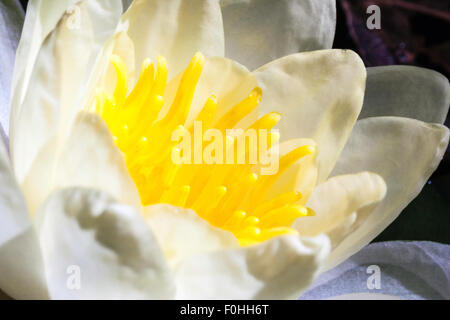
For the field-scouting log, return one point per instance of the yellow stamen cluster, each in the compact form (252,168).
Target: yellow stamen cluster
(231,197)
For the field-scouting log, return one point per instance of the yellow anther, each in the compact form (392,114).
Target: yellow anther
(249,232)
(251,221)
(120,92)
(228,195)
(234,222)
(179,110)
(283,216)
(239,111)
(176,196)
(143,86)
(277,202)
(209,200)
(162,72)
(267,121)
(267,234)
(206,115)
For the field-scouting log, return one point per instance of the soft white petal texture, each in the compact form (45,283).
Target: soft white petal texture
(229,81)
(175,29)
(11,21)
(319,95)
(404,152)
(59,69)
(88,158)
(408,270)
(280,268)
(110,245)
(41,18)
(341,204)
(405,91)
(259,31)
(21,268)
(181,233)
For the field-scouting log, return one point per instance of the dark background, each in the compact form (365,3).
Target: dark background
(413,32)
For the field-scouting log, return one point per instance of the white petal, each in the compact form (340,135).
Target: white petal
(108,245)
(181,233)
(404,152)
(21,268)
(280,268)
(341,204)
(175,29)
(11,23)
(88,158)
(405,91)
(41,18)
(58,69)
(259,31)
(319,95)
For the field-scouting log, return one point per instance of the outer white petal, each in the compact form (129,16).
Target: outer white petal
(259,31)
(280,268)
(21,268)
(181,233)
(319,95)
(88,158)
(229,81)
(341,204)
(108,245)
(41,18)
(404,152)
(405,91)
(11,22)
(58,68)
(176,29)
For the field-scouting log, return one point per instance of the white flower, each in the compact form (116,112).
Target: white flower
(69,198)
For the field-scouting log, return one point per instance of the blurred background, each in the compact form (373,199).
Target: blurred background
(413,32)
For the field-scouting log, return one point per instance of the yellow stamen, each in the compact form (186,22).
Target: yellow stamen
(229,196)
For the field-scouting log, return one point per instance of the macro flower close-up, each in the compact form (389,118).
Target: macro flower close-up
(199,149)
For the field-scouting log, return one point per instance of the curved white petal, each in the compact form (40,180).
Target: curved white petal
(11,22)
(21,267)
(405,91)
(41,18)
(88,158)
(175,29)
(58,68)
(404,152)
(96,248)
(280,268)
(259,31)
(319,95)
(341,204)
(181,233)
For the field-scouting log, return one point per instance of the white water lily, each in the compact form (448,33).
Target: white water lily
(70,198)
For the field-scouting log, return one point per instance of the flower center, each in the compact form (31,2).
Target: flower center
(228,196)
